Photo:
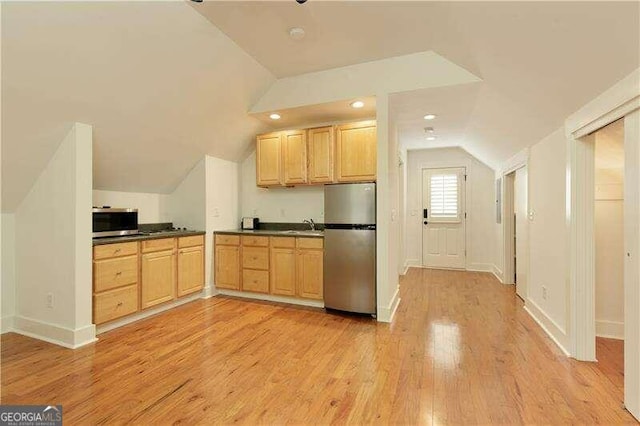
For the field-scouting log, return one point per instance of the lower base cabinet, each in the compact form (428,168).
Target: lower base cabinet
(282,266)
(131,276)
(158,273)
(190,270)
(310,273)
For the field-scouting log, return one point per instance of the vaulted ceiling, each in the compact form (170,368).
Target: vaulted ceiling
(164,83)
(538,61)
(161,86)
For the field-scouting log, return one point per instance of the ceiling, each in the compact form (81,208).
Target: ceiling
(538,61)
(161,86)
(315,115)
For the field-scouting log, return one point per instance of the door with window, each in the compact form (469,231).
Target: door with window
(443,218)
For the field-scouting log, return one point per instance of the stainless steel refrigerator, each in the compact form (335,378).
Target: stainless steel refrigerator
(350,247)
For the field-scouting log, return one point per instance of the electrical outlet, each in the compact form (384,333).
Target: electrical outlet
(282,213)
(216,212)
(50,300)
(544,292)
(531,215)
(255,212)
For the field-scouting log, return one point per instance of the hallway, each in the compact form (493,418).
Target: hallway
(460,351)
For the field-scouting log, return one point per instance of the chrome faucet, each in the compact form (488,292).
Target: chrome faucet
(311,223)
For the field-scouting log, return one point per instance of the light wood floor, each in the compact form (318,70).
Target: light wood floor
(460,351)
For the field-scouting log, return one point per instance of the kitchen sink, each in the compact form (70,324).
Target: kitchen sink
(303,233)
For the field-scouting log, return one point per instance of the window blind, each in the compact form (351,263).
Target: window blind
(444,196)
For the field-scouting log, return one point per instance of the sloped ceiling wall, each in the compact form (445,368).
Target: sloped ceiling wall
(161,86)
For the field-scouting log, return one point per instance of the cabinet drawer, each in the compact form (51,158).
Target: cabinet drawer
(114,250)
(255,257)
(228,240)
(257,281)
(158,245)
(310,243)
(255,241)
(283,242)
(114,304)
(115,272)
(195,240)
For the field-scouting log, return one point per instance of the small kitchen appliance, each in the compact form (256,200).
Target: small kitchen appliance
(250,223)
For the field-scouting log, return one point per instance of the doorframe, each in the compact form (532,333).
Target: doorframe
(621,100)
(464,194)
(508,180)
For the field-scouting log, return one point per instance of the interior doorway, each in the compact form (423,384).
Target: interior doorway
(443,218)
(609,250)
(516,229)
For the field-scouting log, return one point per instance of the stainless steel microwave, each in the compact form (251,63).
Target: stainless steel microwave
(109,222)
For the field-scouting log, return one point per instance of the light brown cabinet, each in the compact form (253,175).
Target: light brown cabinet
(190,270)
(131,276)
(283,266)
(158,278)
(227,262)
(283,271)
(115,281)
(356,148)
(342,153)
(294,157)
(269,159)
(320,155)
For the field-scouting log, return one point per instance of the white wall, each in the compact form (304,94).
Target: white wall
(53,247)
(8,271)
(278,204)
(151,207)
(222,206)
(548,263)
(479,201)
(186,205)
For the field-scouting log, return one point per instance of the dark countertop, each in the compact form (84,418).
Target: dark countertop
(143,237)
(273,233)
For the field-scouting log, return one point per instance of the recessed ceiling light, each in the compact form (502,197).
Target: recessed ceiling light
(429,116)
(296,33)
(274,116)
(431,138)
(357,104)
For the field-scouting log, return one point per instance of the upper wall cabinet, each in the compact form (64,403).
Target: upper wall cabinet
(294,157)
(356,145)
(268,159)
(343,153)
(320,155)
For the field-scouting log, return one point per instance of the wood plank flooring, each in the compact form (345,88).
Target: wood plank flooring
(461,350)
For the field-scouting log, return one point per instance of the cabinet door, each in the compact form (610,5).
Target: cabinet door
(294,156)
(158,278)
(320,155)
(283,271)
(268,160)
(190,270)
(310,276)
(356,146)
(227,273)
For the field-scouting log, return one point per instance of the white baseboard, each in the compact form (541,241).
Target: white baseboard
(413,263)
(53,333)
(7,324)
(272,298)
(147,313)
(610,329)
(208,292)
(498,273)
(386,314)
(549,326)
(480,267)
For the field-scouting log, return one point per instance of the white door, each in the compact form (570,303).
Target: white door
(522,232)
(443,229)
